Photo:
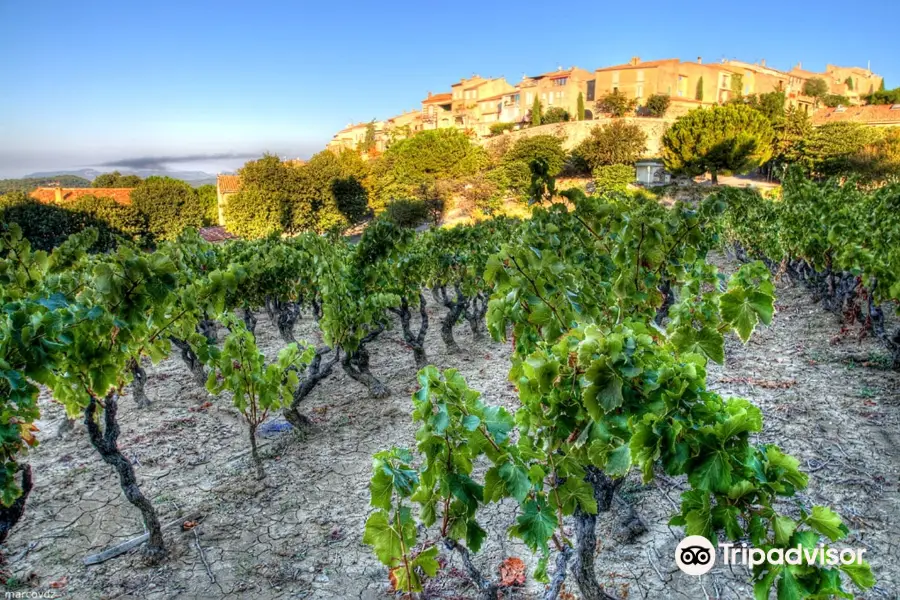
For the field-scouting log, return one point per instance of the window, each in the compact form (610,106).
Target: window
(615,79)
(529,98)
(561,81)
(590,90)
(640,91)
(680,93)
(516,98)
(640,75)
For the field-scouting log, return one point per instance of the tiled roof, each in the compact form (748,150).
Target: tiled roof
(880,114)
(497,97)
(216,234)
(438,98)
(48,194)
(640,65)
(228,184)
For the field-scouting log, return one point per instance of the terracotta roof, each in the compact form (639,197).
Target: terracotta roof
(228,184)
(497,97)
(438,98)
(216,234)
(872,115)
(640,65)
(48,194)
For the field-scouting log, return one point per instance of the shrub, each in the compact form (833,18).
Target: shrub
(406,213)
(658,104)
(555,114)
(833,100)
(613,177)
(169,204)
(255,213)
(517,161)
(616,104)
(44,225)
(499,128)
(115,180)
(209,204)
(113,220)
(617,143)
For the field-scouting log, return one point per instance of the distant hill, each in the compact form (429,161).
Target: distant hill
(195,178)
(27,184)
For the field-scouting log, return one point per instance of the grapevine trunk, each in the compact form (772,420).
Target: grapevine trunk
(10,515)
(137,384)
(193,362)
(105,442)
(586,535)
(315,373)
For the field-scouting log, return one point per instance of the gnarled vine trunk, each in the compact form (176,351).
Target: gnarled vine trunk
(315,372)
(254,454)
(249,319)
(209,328)
(356,365)
(455,308)
(105,442)
(193,362)
(416,341)
(139,379)
(487,589)
(10,515)
(586,535)
(285,313)
(475,311)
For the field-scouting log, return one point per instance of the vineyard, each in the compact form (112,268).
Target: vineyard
(511,409)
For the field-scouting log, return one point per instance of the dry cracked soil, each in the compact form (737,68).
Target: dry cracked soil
(826,398)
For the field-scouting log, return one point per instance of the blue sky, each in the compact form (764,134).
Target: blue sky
(95,81)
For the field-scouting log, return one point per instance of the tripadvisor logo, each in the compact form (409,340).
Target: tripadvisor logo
(695,555)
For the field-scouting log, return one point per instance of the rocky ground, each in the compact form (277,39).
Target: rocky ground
(826,397)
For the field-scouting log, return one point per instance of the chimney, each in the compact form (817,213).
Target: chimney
(799,66)
(429,94)
(57,193)
(635,60)
(762,62)
(699,60)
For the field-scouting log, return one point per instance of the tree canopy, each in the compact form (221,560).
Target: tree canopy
(115,180)
(617,143)
(616,104)
(732,139)
(169,204)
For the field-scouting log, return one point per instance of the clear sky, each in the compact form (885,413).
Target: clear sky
(94,81)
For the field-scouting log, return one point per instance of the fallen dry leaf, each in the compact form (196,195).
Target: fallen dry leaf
(512,572)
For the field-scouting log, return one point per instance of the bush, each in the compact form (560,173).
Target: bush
(658,104)
(407,213)
(613,178)
(209,204)
(113,220)
(617,143)
(517,161)
(44,225)
(616,104)
(555,114)
(170,205)
(255,213)
(499,128)
(833,100)
(115,180)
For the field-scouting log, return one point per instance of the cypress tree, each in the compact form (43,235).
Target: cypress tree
(580,106)
(699,93)
(536,112)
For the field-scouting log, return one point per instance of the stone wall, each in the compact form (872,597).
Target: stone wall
(574,132)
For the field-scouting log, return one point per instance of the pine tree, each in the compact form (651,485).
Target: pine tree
(580,106)
(881,87)
(536,112)
(699,94)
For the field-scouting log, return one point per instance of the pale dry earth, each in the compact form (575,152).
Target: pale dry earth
(300,535)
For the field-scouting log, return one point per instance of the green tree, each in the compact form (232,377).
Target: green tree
(368,143)
(732,138)
(580,109)
(517,161)
(884,96)
(790,135)
(555,114)
(658,104)
(613,178)
(834,100)
(209,202)
(617,143)
(171,205)
(698,93)
(616,104)
(737,85)
(849,82)
(254,213)
(115,180)
(816,88)
(829,149)
(536,112)
(881,86)
(429,156)
(770,104)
